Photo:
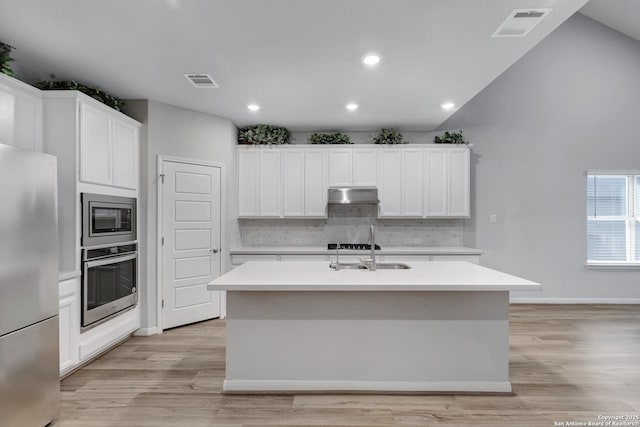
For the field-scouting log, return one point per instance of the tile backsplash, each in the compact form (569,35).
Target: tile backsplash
(350,224)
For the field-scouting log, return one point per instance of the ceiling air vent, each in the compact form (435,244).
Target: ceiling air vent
(520,22)
(202,81)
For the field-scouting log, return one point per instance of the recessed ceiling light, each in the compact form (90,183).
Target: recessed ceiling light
(253,107)
(352,107)
(371,59)
(447,105)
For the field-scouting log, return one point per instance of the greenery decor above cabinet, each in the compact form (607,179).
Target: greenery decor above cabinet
(416,181)
(263,135)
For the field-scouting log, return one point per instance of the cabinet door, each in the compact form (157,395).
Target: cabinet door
(315,183)
(6,115)
(390,182)
(365,167)
(458,177)
(125,155)
(27,131)
(270,201)
(94,146)
(340,167)
(435,182)
(293,182)
(248,182)
(69,323)
(412,182)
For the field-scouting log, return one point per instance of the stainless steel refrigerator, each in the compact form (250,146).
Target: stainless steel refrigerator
(29,357)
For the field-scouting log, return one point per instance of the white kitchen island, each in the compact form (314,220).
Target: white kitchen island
(296,326)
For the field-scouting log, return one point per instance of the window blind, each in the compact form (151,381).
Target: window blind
(613,218)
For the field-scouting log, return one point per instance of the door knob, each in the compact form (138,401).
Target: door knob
(215,250)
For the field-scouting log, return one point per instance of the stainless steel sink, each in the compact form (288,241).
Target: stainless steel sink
(353,266)
(392,266)
(379,266)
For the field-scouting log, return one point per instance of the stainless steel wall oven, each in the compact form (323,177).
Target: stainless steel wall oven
(107,220)
(109,276)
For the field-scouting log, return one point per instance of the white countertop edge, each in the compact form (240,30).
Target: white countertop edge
(67,275)
(372,287)
(390,250)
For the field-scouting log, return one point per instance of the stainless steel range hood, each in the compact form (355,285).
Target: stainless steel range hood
(353,195)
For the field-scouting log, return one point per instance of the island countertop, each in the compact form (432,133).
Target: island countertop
(317,276)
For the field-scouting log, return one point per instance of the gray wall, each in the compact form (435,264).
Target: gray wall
(571,104)
(178,132)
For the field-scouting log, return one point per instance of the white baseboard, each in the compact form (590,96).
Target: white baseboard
(145,332)
(574,300)
(276,386)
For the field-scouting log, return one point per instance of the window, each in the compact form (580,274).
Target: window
(613,219)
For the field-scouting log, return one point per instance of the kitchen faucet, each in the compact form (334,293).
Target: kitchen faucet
(371,262)
(336,266)
(372,237)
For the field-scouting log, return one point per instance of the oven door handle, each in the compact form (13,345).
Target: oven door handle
(112,260)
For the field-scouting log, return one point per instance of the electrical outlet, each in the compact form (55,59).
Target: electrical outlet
(493,219)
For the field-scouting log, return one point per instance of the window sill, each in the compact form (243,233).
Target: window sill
(611,266)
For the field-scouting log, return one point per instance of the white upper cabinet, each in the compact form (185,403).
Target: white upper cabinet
(124,155)
(20,114)
(315,183)
(95,146)
(412,182)
(259,182)
(340,167)
(447,182)
(400,182)
(304,182)
(417,181)
(108,148)
(282,182)
(365,167)
(270,201)
(435,196)
(248,182)
(390,188)
(353,167)
(293,182)
(459,182)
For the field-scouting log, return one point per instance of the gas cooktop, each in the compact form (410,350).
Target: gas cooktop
(352,246)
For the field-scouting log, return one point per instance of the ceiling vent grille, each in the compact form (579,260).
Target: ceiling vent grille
(202,81)
(520,22)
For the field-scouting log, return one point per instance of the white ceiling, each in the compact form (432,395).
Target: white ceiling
(621,15)
(299,60)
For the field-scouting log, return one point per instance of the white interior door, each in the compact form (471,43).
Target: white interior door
(191,251)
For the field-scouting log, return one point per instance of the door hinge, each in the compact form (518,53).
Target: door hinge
(162,303)
(162,242)
(162,177)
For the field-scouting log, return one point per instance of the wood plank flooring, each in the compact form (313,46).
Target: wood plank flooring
(567,363)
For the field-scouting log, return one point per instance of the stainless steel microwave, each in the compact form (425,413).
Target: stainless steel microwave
(107,220)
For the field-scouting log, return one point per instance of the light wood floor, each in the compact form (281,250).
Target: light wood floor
(567,363)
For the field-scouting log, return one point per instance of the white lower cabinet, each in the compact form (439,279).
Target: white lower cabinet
(69,322)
